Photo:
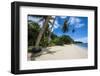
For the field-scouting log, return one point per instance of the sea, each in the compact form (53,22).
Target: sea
(83,45)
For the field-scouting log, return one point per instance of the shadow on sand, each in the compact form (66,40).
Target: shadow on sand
(43,52)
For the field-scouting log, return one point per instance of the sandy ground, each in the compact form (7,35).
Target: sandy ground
(62,52)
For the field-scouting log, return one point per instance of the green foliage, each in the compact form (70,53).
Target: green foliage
(33,30)
(66,39)
(44,39)
(53,36)
(44,42)
(51,43)
(61,40)
(55,40)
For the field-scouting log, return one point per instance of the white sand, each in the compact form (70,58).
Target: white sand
(64,52)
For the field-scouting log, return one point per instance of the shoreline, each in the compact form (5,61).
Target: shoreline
(71,51)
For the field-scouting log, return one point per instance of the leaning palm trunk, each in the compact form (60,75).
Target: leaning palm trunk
(42,31)
(49,37)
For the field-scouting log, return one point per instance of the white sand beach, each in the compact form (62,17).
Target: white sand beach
(63,52)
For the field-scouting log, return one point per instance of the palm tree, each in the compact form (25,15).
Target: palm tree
(33,30)
(47,19)
(52,25)
(45,25)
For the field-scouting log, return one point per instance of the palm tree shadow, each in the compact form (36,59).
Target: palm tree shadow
(43,52)
(47,51)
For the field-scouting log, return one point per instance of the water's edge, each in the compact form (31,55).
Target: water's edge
(83,45)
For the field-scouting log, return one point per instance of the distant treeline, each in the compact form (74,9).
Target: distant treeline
(76,42)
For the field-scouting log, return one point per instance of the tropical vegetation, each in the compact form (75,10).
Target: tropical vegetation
(36,38)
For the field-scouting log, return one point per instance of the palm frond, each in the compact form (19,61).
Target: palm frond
(65,26)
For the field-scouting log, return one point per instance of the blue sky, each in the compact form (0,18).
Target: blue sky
(80,24)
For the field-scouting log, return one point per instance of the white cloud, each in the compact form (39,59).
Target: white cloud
(34,19)
(71,20)
(83,39)
(55,26)
(76,22)
(41,23)
(63,17)
(79,25)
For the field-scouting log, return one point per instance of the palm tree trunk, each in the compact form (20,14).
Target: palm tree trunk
(49,37)
(41,32)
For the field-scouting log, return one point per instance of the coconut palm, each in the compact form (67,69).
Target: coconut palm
(45,25)
(47,21)
(42,31)
(52,25)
